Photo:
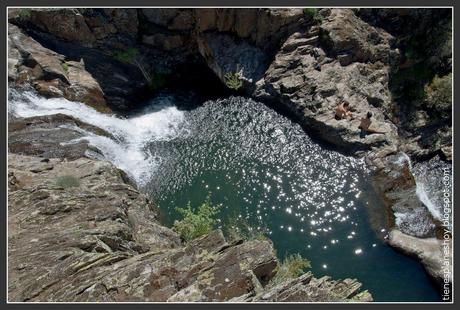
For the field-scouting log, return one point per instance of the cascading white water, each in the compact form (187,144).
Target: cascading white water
(430,186)
(427,183)
(158,122)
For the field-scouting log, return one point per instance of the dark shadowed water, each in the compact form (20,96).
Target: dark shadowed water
(262,168)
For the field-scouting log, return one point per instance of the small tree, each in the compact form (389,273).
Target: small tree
(196,223)
(233,80)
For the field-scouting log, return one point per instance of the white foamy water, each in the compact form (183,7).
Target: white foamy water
(128,150)
(428,185)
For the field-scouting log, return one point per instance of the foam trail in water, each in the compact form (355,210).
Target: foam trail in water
(128,151)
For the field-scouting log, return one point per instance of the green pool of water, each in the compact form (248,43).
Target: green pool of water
(262,169)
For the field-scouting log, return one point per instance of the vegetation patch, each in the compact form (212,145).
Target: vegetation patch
(409,82)
(439,94)
(67,181)
(24,13)
(313,14)
(127,56)
(65,67)
(233,80)
(292,267)
(198,222)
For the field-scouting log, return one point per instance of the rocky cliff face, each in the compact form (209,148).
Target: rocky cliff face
(300,62)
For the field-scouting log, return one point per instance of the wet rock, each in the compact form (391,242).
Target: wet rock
(397,186)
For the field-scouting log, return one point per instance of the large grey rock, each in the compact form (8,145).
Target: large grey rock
(51,136)
(67,24)
(49,72)
(305,80)
(433,253)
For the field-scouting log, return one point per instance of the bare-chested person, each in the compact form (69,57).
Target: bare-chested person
(366,123)
(342,112)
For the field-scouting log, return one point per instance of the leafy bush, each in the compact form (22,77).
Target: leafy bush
(127,56)
(233,80)
(67,181)
(313,14)
(292,267)
(196,223)
(439,94)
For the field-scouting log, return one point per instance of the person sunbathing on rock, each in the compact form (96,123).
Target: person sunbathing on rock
(366,123)
(342,112)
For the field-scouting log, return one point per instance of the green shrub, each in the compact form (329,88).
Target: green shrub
(24,13)
(65,67)
(233,80)
(313,14)
(67,181)
(439,94)
(127,56)
(196,223)
(292,267)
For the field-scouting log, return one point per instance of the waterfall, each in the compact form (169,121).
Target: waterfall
(428,183)
(128,150)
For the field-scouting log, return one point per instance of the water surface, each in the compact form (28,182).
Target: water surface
(262,168)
